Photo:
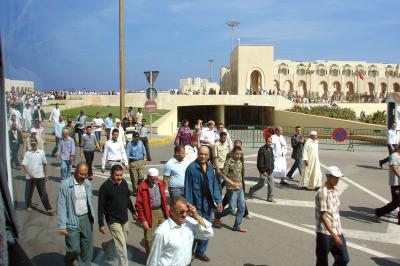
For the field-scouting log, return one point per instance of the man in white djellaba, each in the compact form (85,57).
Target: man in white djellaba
(279,148)
(312,175)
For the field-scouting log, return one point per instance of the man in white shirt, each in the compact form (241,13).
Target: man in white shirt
(173,239)
(55,114)
(97,124)
(191,149)
(35,166)
(279,147)
(208,136)
(392,142)
(27,116)
(139,117)
(114,152)
(221,128)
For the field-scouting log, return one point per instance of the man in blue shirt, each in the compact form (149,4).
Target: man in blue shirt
(136,153)
(203,192)
(66,154)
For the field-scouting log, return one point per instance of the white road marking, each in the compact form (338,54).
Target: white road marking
(371,236)
(312,232)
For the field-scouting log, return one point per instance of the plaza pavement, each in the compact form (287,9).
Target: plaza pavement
(279,234)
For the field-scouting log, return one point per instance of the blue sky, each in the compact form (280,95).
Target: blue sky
(74,43)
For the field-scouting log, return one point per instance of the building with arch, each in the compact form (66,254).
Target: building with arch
(22,86)
(253,70)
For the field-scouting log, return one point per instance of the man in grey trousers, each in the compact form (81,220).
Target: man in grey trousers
(75,216)
(265,165)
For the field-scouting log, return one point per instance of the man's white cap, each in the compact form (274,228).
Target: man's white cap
(152,172)
(33,130)
(313,133)
(333,170)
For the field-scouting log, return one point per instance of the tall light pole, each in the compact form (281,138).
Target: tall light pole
(121,61)
(211,61)
(232,24)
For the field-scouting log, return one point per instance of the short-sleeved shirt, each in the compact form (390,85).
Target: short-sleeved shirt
(176,172)
(219,151)
(233,171)
(327,200)
(394,159)
(97,122)
(33,162)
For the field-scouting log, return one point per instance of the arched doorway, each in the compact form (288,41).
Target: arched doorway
(383,90)
(255,82)
(323,89)
(301,88)
(276,86)
(288,88)
(371,88)
(396,87)
(350,88)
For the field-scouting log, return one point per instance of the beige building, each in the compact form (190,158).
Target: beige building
(19,85)
(191,86)
(253,70)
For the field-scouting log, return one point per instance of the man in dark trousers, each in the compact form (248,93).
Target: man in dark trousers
(15,139)
(394,182)
(297,144)
(265,165)
(114,202)
(392,138)
(89,145)
(203,192)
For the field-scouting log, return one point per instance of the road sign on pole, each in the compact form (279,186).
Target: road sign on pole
(339,134)
(150,106)
(151,94)
(151,77)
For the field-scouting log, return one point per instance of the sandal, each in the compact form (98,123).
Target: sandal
(242,230)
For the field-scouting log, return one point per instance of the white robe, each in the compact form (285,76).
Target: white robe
(279,148)
(27,115)
(312,175)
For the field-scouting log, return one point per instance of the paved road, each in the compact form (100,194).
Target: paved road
(279,234)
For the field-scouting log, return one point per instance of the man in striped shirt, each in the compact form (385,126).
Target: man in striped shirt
(330,238)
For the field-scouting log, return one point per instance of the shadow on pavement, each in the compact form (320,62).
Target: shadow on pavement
(251,264)
(368,166)
(386,261)
(46,258)
(361,214)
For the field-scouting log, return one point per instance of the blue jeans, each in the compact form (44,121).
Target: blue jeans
(65,169)
(200,246)
(326,245)
(236,198)
(98,135)
(298,164)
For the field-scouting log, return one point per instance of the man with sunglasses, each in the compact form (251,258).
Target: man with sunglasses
(173,239)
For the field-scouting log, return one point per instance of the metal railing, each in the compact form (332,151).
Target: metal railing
(254,135)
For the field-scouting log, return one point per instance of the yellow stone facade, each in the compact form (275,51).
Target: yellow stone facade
(253,70)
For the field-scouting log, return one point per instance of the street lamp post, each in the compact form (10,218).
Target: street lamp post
(211,61)
(232,24)
(121,60)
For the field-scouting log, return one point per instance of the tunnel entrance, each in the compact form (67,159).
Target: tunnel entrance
(229,115)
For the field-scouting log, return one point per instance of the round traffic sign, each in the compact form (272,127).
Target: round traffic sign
(151,93)
(150,106)
(339,134)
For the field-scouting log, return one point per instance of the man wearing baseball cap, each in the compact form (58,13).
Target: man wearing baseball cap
(151,205)
(330,238)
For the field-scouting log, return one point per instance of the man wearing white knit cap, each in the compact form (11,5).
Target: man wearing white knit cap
(311,178)
(151,205)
